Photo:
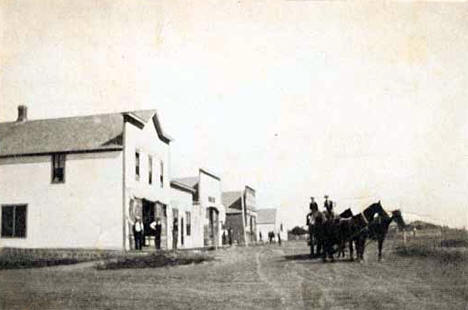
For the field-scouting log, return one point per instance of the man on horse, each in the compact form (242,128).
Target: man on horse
(313,219)
(328,229)
(329,214)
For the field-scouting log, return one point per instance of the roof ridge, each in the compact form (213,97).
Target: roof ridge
(78,116)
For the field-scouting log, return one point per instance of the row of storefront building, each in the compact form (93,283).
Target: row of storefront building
(80,182)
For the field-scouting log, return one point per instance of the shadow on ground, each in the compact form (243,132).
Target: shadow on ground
(306,258)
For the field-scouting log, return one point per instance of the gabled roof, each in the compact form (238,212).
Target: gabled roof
(181,186)
(266,216)
(69,134)
(191,182)
(229,198)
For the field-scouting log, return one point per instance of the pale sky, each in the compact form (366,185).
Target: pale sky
(363,101)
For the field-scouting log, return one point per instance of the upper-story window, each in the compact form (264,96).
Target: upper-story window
(150,169)
(58,168)
(137,165)
(161,173)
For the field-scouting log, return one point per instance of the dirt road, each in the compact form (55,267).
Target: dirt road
(262,277)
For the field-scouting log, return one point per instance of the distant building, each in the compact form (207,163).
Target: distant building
(79,182)
(189,216)
(208,207)
(240,203)
(268,221)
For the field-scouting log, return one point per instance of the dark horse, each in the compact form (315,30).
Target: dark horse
(340,231)
(378,228)
(372,223)
(316,231)
(346,215)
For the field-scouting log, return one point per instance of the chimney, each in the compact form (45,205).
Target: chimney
(22,113)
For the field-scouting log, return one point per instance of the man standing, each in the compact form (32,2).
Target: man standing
(175,233)
(138,233)
(156,226)
(230,235)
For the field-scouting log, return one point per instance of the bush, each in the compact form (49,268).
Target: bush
(155,260)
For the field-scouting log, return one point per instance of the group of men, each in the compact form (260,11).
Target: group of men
(317,221)
(314,211)
(139,232)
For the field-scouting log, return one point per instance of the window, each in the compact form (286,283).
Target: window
(188,219)
(161,174)
(14,221)
(137,165)
(58,168)
(150,170)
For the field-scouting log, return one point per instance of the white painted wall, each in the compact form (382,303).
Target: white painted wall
(265,229)
(182,201)
(83,212)
(275,227)
(211,187)
(147,142)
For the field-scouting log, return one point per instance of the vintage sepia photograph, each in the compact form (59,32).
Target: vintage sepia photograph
(233,154)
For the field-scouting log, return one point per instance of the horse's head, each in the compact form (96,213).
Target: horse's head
(396,215)
(375,208)
(346,213)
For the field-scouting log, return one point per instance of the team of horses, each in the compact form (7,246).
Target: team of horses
(327,237)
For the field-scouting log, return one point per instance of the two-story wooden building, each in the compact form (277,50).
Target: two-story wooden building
(78,182)
(207,199)
(241,214)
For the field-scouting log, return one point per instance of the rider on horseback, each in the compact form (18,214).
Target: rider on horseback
(329,214)
(313,218)
(313,207)
(328,229)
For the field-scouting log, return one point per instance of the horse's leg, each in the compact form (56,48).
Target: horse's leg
(319,246)
(312,241)
(360,249)
(351,254)
(380,242)
(363,247)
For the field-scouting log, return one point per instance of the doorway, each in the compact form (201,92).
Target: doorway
(212,227)
(148,211)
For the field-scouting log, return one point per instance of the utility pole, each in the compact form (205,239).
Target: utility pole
(244,214)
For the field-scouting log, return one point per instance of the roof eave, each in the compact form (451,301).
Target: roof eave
(182,186)
(90,150)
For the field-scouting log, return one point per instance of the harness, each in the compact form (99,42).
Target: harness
(364,218)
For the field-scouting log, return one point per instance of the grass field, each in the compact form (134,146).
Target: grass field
(262,277)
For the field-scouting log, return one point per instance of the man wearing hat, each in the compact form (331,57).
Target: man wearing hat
(138,232)
(328,204)
(313,220)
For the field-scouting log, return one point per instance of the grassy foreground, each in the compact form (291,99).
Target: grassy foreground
(23,259)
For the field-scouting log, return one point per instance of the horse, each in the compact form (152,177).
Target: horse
(378,228)
(330,232)
(353,230)
(315,233)
(345,216)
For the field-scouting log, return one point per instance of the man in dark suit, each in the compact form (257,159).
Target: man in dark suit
(329,214)
(175,233)
(156,226)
